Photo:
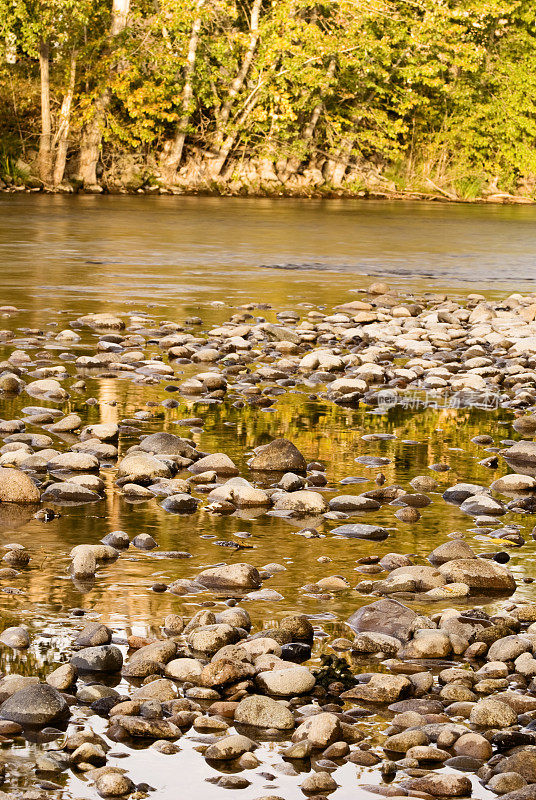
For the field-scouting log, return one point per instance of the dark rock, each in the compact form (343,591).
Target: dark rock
(296,652)
(278,456)
(463,763)
(38,704)
(373,533)
(117,539)
(461,491)
(104,658)
(180,503)
(418,704)
(384,616)
(167,444)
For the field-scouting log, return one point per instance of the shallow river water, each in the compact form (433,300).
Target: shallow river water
(61,257)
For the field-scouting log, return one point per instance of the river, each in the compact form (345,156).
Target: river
(174,257)
(178,252)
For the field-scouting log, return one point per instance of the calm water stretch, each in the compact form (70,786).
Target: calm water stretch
(62,257)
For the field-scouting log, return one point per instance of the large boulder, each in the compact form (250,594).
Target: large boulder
(303,501)
(351,503)
(47,388)
(208,639)
(184,669)
(16,637)
(523,763)
(167,444)
(220,463)
(67,492)
(241,493)
(17,487)
(514,484)
(9,382)
(341,386)
(479,574)
(376,643)
(231,576)
(84,561)
(525,425)
(12,683)
(229,748)
(461,491)
(142,468)
(324,360)
(104,321)
(508,648)
(263,712)
(281,333)
(450,785)
(39,704)
(103,451)
(452,550)
(224,670)
(105,431)
(522,453)
(102,658)
(66,424)
(428,644)
(492,713)
(148,728)
(73,462)
(384,616)
(480,504)
(180,503)
(380,689)
(286,682)
(148,660)
(423,578)
(320,730)
(278,456)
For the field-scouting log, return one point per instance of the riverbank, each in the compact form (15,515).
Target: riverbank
(265,179)
(275,192)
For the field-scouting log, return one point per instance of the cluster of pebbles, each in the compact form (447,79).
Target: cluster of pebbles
(455,689)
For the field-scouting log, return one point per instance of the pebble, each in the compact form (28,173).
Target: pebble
(458,679)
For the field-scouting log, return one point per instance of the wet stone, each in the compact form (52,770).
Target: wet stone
(360,531)
(38,704)
(103,658)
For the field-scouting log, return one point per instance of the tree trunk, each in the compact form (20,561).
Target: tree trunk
(90,145)
(228,143)
(216,164)
(45,139)
(170,162)
(120,9)
(62,135)
(91,142)
(336,166)
(309,130)
(11,48)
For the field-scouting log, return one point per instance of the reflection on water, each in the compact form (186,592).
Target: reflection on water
(171,257)
(328,433)
(121,594)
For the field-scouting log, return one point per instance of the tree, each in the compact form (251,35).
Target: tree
(49,33)
(434,95)
(172,157)
(94,127)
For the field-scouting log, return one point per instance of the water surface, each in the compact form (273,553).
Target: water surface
(174,257)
